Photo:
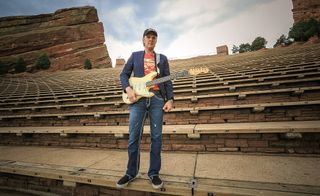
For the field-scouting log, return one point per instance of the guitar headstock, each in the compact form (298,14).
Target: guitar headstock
(198,70)
(193,72)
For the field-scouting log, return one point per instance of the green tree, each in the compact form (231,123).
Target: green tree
(235,49)
(87,64)
(303,30)
(43,61)
(258,43)
(244,48)
(282,40)
(20,65)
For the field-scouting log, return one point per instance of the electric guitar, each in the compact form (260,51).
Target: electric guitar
(141,86)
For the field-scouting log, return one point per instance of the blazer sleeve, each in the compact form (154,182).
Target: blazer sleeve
(126,73)
(167,85)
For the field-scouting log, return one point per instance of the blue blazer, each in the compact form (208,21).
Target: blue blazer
(135,64)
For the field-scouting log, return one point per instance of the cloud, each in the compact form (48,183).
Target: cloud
(242,28)
(183,17)
(121,49)
(185,27)
(122,23)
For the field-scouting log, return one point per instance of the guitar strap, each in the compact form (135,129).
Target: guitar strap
(157,62)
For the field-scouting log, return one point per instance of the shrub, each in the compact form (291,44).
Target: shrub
(303,30)
(20,65)
(87,64)
(43,61)
(283,41)
(235,49)
(244,48)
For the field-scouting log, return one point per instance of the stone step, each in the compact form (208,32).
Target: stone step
(204,174)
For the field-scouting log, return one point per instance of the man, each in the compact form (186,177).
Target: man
(141,63)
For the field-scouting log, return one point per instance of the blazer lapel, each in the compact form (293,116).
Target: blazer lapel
(141,63)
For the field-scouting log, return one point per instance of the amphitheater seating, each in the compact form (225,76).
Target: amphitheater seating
(293,73)
(278,86)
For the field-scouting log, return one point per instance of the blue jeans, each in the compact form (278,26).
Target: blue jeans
(151,107)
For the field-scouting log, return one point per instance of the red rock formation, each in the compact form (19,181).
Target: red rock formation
(305,9)
(69,36)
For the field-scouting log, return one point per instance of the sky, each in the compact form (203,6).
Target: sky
(186,28)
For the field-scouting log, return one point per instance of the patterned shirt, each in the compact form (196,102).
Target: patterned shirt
(150,66)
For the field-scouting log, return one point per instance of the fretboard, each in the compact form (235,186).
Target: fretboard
(166,78)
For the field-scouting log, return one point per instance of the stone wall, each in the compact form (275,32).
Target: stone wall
(222,142)
(120,62)
(222,50)
(69,36)
(305,9)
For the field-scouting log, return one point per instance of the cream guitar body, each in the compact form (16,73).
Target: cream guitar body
(141,86)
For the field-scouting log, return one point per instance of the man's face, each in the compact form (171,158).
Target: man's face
(150,40)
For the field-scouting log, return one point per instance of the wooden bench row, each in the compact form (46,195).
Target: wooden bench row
(75,91)
(193,99)
(252,72)
(258,62)
(63,100)
(262,72)
(194,110)
(232,88)
(192,130)
(235,81)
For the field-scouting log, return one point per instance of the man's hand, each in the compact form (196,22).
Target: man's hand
(131,95)
(168,106)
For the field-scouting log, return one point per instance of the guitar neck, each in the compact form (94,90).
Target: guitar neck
(164,79)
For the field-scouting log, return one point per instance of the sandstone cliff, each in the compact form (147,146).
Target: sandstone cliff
(305,9)
(69,36)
